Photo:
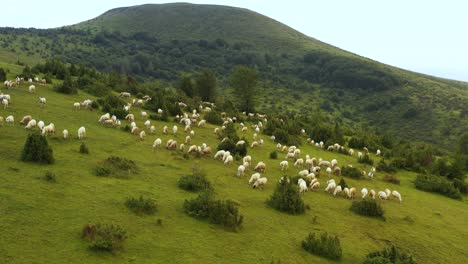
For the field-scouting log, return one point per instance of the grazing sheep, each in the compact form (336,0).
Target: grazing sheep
(160,111)
(81,133)
(157,143)
(314,186)
(130,117)
(192,149)
(104,117)
(216,130)
(202,123)
(260,182)
(187,140)
(366,150)
(333,163)
(364,193)
(372,194)
(25,120)
(337,171)
(289,156)
(32,89)
(329,171)
(331,185)
(132,125)
(261,167)
(382,195)
(174,130)
(303,173)
(144,114)
(142,135)
(134,130)
(254,144)
(31,124)
(254,177)
(228,161)
(378,152)
(171,144)
(302,185)
(40,125)
(352,193)
(397,195)
(299,163)
(192,133)
(346,192)
(48,130)
(244,129)
(226,154)
(388,192)
(240,143)
(351,152)
(284,165)
(65,134)
(108,122)
(125,94)
(206,151)
(165,130)
(4,103)
(152,130)
(337,190)
(147,124)
(219,154)
(247,159)
(311,175)
(182,147)
(76,106)
(324,163)
(359,155)
(240,171)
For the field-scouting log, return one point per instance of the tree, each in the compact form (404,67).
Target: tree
(37,149)
(2,75)
(67,87)
(186,85)
(243,81)
(206,85)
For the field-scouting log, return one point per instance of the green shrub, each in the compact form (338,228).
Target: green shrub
(214,118)
(141,205)
(104,237)
(67,87)
(37,149)
(388,256)
(219,212)
(50,176)
(461,185)
(286,198)
(195,182)
(367,207)
(325,245)
(115,167)
(438,184)
(273,154)
(391,178)
(366,159)
(343,184)
(83,148)
(387,167)
(351,172)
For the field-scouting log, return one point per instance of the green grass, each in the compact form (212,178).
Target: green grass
(42,222)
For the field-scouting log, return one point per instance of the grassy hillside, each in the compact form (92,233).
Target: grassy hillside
(298,73)
(42,221)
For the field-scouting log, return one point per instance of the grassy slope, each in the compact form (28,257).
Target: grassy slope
(42,221)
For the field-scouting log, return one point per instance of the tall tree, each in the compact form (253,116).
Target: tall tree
(206,85)
(186,85)
(2,75)
(243,81)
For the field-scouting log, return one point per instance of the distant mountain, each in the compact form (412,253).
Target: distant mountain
(299,73)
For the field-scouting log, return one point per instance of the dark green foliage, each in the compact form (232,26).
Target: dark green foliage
(195,182)
(325,245)
(387,167)
(391,178)
(286,198)
(141,205)
(219,212)
(230,143)
(50,176)
(431,183)
(243,81)
(115,167)
(413,157)
(388,256)
(2,75)
(342,183)
(461,185)
(113,104)
(352,172)
(214,118)
(27,73)
(104,237)
(273,154)
(366,159)
(67,87)
(187,85)
(206,85)
(367,207)
(83,148)
(37,149)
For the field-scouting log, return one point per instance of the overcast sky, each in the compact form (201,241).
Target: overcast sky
(425,36)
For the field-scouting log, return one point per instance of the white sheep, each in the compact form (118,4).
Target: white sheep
(82,132)
(157,143)
(228,161)
(65,134)
(104,117)
(260,182)
(240,143)
(397,195)
(174,130)
(254,177)
(314,186)
(226,154)
(5,103)
(219,154)
(40,125)
(382,195)
(32,88)
(359,154)
(299,163)
(303,173)
(247,159)
(302,185)
(364,193)
(333,163)
(152,130)
(284,165)
(144,114)
(329,171)
(240,171)
(330,186)
(192,133)
(147,124)
(337,190)
(165,130)
(260,167)
(142,135)
(31,124)
(378,152)
(76,106)
(372,194)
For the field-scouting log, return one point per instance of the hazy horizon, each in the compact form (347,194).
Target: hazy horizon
(419,36)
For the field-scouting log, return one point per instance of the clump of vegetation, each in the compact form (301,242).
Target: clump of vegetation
(431,183)
(230,143)
(141,205)
(104,237)
(365,159)
(219,212)
(388,256)
(214,118)
(37,149)
(343,184)
(286,198)
(352,172)
(50,176)
(195,181)
(273,154)
(325,246)
(67,87)
(113,104)
(367,207)
(387,167)
(115,167)
(83,148)
(391,179)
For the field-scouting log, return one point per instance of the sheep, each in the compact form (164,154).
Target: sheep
(165,130)
(82,133)
(125,94)
(254,177)
(284,165)
(273,138)
(144,114)
(302,186)
(104,117)
(247,159)
(160,111)
(134,130)
(32,89)
(174,130)
(330,186)
(219,154)
(382,195)
(311,175)
(206,151)
(378,152)
(226,154)
(289,156)
(65,134)
(329,171)
(182,147)
(324,163)
(397,195)
(337,190)
(157,143)
(40,124)
(192,149)
(130,117)
(333,163)
(364,192)
(202,123)
(4,103)
(25,120)
(388,192)
(76,106)
(299,163)
(48,130)
(244,129)
(315,170)
(260,182)
(372,194)
(216,130)
(303,173)
(171,144)
(337,171)
(352,193)
(31,124)
(147,124)
(187,140)
(260,167)
(152,130)
(359,155)
(240,171)
(192,133)
(126,108)
(314,186)
(228,161)
(240,143)
(254,144)
(132,125)
(142,135)
(108,122)
(351,152)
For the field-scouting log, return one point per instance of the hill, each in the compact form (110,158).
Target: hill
(299,74)
(42,220)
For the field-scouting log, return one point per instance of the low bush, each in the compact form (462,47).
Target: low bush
(141,205)
(286,198)
(343,184)
(367,207)
(50,176)
(391,179)
(83,148)
(461,185)
(104,237)
(37,149)
(214,118)
(273,154)
(388,256)
(438,184)
(195,181)
(387,167)
(219,212)
(365,159)
(351,172)
(325,246)
(115,167)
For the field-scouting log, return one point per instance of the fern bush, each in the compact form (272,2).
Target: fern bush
(389,255)
(325,245)
(367,207)
(286,198)
(141,205)
(104,237)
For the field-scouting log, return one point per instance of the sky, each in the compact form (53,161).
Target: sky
(424,36)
